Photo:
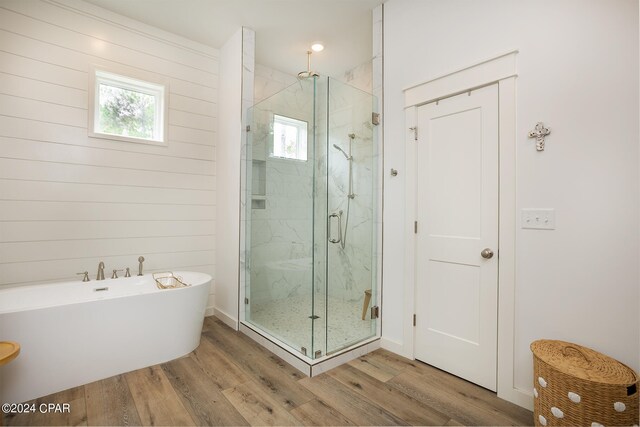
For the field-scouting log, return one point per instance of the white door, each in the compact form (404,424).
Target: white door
(457,212)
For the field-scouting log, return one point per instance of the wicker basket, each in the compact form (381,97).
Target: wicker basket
(167,280)
(577,386)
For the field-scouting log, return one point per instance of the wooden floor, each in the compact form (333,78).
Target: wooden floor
(230,380)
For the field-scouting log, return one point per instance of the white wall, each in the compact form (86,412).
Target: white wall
(68,201)
(228,173)
(577,72)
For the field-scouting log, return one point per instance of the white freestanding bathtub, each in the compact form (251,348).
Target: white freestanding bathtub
(72,333)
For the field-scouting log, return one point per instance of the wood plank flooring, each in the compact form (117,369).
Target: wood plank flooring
(231,380)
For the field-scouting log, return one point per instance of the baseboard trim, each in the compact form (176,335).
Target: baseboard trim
(394,347)
(517,396)
(228,320)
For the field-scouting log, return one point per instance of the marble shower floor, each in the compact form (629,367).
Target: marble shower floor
(288,320)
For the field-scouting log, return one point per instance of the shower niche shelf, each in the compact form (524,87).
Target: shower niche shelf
(259,184)
(258,202)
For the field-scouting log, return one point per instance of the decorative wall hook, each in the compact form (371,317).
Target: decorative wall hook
(539,133)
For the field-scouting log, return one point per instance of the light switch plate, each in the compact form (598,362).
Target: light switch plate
(539,219)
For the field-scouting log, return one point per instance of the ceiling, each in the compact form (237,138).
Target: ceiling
(284,28)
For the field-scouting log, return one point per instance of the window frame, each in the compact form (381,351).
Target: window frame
(292,121)
(146,83)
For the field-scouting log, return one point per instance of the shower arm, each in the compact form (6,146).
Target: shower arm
(308,73)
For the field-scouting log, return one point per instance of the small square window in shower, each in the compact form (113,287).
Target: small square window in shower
(289,138)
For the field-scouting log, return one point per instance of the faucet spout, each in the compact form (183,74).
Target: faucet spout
(100,275)
(140,261)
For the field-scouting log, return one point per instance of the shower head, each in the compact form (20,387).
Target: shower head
(308,73)
(346,156)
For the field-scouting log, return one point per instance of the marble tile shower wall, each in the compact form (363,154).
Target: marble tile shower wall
(349,271)
(360,77)
(282,234)
(269,81)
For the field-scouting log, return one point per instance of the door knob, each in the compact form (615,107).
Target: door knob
(487,253)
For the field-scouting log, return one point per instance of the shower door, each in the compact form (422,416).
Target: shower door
(351,206)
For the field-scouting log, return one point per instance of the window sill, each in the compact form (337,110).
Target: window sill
(127,139)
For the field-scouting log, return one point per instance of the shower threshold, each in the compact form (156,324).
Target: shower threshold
(306,365)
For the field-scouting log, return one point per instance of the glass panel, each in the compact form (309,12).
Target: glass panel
(351,185)
(280,238)
(321,217)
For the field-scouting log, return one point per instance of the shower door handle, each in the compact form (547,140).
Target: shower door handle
(329,228)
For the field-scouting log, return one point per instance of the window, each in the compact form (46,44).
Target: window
(289,138)
(125,108)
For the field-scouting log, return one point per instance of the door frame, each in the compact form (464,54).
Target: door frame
(499,69)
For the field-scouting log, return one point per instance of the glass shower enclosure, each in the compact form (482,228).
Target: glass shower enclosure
(310,230)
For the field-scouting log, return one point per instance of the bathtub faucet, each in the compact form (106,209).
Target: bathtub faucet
(86,276)
(140,260)
(100,275)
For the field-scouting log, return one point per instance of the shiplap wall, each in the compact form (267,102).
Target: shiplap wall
(68,201)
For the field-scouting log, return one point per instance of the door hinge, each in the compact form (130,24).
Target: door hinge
(246,300)
(317,354)
(375,312)
(414,320)
(248,128)
(375,119)
(415,132)
(415,227)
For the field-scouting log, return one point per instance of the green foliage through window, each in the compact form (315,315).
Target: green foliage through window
(289,138)
(126,112)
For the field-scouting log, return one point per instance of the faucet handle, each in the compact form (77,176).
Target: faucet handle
(115,274)
(86,276)
(127,273)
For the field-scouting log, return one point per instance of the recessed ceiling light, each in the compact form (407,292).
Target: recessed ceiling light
(317,46)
